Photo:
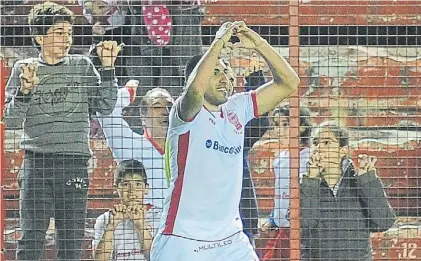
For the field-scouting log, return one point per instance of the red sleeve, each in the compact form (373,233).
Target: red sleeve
(254,99)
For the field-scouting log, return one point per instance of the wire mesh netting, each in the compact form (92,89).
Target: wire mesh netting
(94,166)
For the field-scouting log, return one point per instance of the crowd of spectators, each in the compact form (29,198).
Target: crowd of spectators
(159,37)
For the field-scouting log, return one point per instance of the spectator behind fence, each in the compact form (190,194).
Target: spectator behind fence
(278,245)
(340,204)
(122,232)
(51,97)
(165,34)
(148,148)
(109,23)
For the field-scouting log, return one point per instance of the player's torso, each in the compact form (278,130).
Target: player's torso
(215,148)
(211,179)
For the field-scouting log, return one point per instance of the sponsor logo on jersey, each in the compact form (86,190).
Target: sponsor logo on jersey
(215,145)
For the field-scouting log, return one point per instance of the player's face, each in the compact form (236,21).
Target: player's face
(57,41)
(221,84)
(132,189)
(327,144)
(158,111)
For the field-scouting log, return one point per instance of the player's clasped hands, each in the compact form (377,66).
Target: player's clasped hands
(28,77)
(249,39)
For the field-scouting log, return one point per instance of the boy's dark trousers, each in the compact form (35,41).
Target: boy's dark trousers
(52,185)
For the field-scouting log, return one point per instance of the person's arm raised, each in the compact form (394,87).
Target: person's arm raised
(285,80)
(192,100)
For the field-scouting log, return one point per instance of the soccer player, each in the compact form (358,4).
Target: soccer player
(51,97)
(122,233)
(148,148)
(201,219)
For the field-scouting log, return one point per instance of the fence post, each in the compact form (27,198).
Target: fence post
(294,130)
(2,152)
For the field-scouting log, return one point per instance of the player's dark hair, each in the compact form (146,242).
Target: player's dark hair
(340,133)
(129,167)
(305,122)
(191,64)
(43,16)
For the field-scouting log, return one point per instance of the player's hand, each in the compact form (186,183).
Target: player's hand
(107,52)
(225,33)
(314,165)
(137,213)
(117,215)
(366,164)
(249,39)
(28,77)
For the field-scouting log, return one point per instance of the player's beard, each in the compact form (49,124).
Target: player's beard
(216,98)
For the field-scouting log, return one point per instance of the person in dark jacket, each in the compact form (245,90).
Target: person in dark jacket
(340,204)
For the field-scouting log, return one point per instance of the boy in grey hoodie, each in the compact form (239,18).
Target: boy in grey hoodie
(51,97)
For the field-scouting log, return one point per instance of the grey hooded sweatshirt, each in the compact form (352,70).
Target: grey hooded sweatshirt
(55,115)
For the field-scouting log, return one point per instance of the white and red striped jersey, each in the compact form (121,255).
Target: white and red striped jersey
(205,161)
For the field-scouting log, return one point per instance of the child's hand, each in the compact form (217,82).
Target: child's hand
(137,214)
(117,215)
(107,52)
(314,165)
(28,77)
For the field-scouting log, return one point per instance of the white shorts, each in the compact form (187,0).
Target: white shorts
(173,248)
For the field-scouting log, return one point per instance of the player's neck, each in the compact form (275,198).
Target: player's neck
(211,107)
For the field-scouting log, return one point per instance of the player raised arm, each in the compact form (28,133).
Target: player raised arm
(285,80)
(192,100)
